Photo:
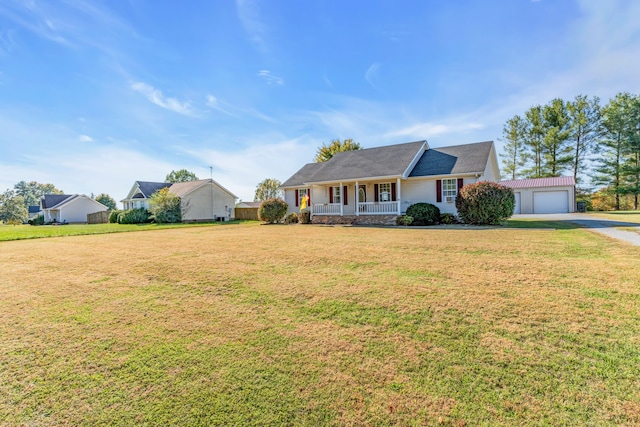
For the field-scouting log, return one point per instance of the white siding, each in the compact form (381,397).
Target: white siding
(207,203)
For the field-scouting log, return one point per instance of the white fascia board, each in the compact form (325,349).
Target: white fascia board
(415,160)
(447,176)
(371,178)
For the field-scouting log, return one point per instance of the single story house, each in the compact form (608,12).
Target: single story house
(247,210)
(70,208)
(543,195)
(376,185)
(201,200)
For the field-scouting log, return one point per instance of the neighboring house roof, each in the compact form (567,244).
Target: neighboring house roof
(249,205)
(457,159)
(558,181)
(34,209)
(58,201)
(148,188)
(181,189)
(387,161)
(50,201)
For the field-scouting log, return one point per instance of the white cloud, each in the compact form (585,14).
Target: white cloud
(270,78)
(249,16)
(371,76)
(156,97)
(85,138)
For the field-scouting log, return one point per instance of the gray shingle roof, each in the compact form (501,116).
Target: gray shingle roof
(51,200)
(457,159)
(148,188)
(387,161)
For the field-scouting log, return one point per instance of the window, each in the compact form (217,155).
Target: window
(449,189)
(302,193)
(335,192)
(384,192)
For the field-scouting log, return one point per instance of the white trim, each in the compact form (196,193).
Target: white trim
(415,160)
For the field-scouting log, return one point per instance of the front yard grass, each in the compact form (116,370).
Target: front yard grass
(306,325)
(21,232)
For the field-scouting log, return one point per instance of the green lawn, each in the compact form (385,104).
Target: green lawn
(307,325)
(21,232)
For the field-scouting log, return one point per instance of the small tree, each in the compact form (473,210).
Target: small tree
(272,210)
(12,208)
(182,175)
(106,200)
(326,152)
(268,189)
(485,203)
(165,206)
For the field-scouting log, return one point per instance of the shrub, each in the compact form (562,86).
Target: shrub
(448,218)
(485,203)
(292,218)
(272,210)
(404,220)
(165,207)
(113,216)
(424,214)
(134,216)
(304,217)
(39,220)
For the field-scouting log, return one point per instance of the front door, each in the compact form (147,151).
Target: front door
(362,193)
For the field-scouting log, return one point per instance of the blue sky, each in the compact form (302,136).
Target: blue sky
(97,94)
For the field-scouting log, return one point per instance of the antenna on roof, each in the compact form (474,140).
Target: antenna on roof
(211,169)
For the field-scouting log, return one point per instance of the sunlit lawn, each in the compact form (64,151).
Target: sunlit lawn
(309,325)
(20,232)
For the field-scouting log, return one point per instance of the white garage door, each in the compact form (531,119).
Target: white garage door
(547,202)
(516,209)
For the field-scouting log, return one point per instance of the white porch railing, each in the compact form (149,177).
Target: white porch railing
(378,208)
(329,209)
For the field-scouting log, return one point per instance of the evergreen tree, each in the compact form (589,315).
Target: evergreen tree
(585,117)
(631,163)
(556,151)
(514,134)
(534,139)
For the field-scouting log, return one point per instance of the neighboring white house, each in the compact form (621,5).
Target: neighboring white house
(201,200)
(543,195)
(68,207)
(375,185)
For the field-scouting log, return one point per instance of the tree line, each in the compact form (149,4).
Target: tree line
(598,145)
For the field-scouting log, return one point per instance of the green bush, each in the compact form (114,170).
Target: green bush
(39,220)
(404,220)
(304,217)
(485,203)
(134,216)
(448,218)
(272,210)
(165,207)
(113,216)
(424,214)
(292,218)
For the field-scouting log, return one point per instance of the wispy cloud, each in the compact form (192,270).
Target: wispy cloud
(270,78)
(430,130)
(371,76)
(85,138)
(249,15)
(7,42)
(157,97)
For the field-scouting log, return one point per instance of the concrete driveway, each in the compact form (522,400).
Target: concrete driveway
(599,225)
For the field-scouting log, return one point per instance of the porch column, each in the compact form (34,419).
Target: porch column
(310,205)
(357,198)
(342,200)
(399,197)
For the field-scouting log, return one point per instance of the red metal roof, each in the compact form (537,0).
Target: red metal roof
(559,181)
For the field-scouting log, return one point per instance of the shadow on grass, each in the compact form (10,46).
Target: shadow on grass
(536,223)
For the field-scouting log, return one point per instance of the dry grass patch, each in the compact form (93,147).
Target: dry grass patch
(304,325)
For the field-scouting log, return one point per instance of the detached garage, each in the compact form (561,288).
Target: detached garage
(543,195)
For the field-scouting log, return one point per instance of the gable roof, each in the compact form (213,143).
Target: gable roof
(181,189)
(457,159)
(49,201)
(558,181)
(34,209)
(377,162)
(148,188)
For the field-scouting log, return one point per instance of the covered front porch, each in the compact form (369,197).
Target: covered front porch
(356,198)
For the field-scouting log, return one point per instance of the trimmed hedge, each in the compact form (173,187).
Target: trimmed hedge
(485,203)
(134,216)
(423,214)
(113,216)
(272,210)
